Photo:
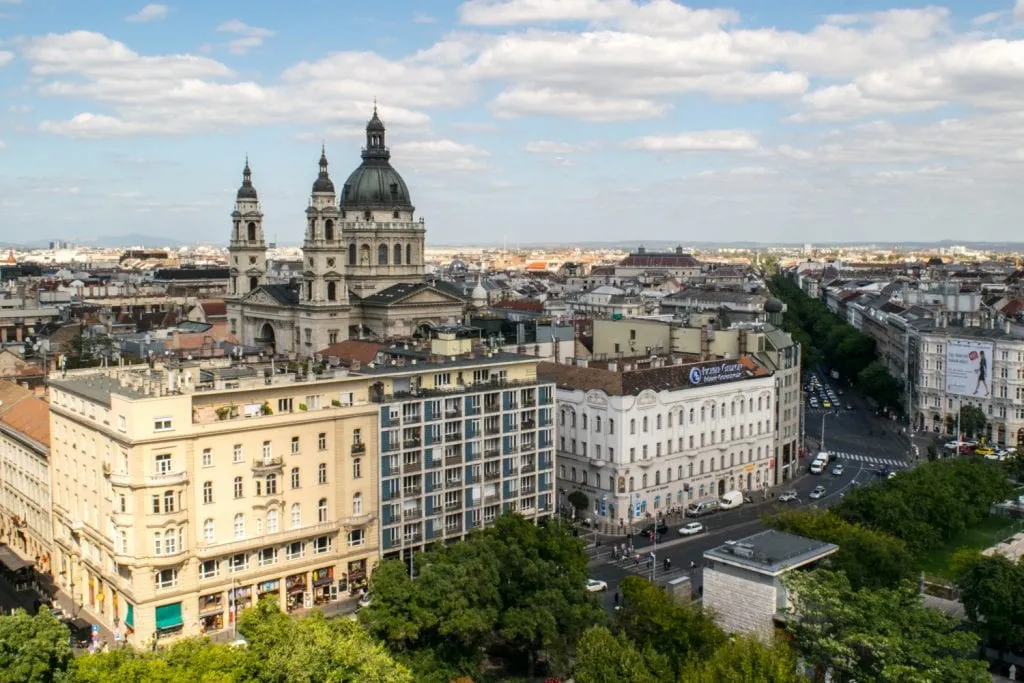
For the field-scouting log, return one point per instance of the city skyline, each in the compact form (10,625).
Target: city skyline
(520,120)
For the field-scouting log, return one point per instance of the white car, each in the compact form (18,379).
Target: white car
(596,586)
(818,492)
(788,496)
(691,529)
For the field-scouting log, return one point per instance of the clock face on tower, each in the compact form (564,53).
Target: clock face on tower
(330,262)
(252,259)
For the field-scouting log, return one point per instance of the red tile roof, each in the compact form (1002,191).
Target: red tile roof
(31,417)
(352,349)
(660,261)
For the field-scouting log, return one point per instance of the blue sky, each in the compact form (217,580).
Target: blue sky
(519,120)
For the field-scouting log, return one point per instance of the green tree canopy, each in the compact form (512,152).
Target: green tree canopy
(870,558)
(604,658)
(579,500)
(748,660)
(992,593)
(884,635)
(33,649)
(972,421)
(652,620)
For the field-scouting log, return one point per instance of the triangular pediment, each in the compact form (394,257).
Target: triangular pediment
(412,295)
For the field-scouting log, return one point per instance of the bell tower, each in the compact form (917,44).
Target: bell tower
(247,250)
(322,251)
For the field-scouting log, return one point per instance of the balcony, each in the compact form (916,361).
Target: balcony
(511,471)
(492,407)
(411,538)
(492,430)
(358,448)
(207,551)
(453,529)
(645,462)
(492,453)
(268,464)
(411,443)
(450,460)
(527,491)
(452,437)
(528,468)
(529,424)
(120,479)
(410,491)
(411,419)
(473,479)
(492,499)
(453,484)
(492,475)
(167,559)
(167,478)
(528,446)
(412,513)
(357,521)
(414,466)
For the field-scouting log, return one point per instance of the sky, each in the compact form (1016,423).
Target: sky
(519,121)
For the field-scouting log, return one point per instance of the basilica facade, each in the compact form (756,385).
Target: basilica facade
(363,264)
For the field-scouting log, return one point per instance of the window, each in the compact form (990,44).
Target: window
(238,562)
(271,484)
(357,504)
(209,569)
(321,510)
(171,541)
(121,424)
(209,532)
(123,537)
(382,255)
(321,441)
(632,426)
(162,463)
(207,492)
(240,526)
(357,469)
(658,422)
(356,538)
(398,255)
(597,423)
(284,405)
(267,454)
(321,472)
(272,522)
(296,550)
(168,502)
(207,457)
(295,445)
(321,544)
(296,521)
(611,426)
(238,487)
(295,477)
(162,424)
(236,453)
(167,578)
(583,421)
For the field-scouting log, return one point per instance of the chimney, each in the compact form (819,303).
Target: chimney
(613,366)
(354,365)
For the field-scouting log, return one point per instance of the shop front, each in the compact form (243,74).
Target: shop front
(295,588)
(238,599)
(168,620)
(356,578)
(269,589)
(211,612)
(323,588)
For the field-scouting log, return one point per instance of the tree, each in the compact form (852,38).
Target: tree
(89,350)
(579,500)
(876,382)
(746,659)
(870,558)
(885,635)
(604,658)
(933,453)
(972,421)
(652,620)
(990,590)
(34,649)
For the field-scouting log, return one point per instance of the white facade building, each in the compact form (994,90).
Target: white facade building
(639,439)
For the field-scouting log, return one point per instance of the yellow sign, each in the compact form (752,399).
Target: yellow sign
(749,468)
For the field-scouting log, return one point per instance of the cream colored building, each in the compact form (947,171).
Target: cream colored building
(182,494)
(773,348)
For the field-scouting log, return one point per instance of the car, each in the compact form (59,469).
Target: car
(596,586)
(984,450)
(818,492)
(995,456)
(891,475)
(691,529)
(951,445)
(837,470)
(788,496)
(826,404)
(649,529)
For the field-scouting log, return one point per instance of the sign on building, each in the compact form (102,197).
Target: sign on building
(969,368)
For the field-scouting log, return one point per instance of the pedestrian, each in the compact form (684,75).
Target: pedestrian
(636,560)
(616,598)
(648,562)
(693,565)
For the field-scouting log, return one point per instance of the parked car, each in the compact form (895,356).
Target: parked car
(818,492)
(596,586)
(788,496)
(662,529)
(691,529)
(984,450)
(837,471)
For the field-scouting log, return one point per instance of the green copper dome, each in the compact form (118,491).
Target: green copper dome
(375,184)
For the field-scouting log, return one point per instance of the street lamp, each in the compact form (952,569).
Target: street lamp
(823,416)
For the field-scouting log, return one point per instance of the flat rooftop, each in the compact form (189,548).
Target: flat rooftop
(771,552)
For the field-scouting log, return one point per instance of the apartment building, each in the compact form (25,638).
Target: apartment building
(25,524)
(700,340)
(465,436)
(184,493)
(640,436)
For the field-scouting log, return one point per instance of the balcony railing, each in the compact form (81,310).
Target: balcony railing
(204,550)
(414,466)
(411,443)
(491,499)
(411,491)
(491,475)
(492,407)
(492,453)
(526,469)
(356,521)
(358,448)
(167,478)
(412,513)
(453,459)
(473,479)
(267,464)
(452,437)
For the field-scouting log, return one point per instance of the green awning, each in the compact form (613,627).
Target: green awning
(129,617)
(168,616)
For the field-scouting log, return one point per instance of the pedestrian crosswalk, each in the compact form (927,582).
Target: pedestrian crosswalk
(870,459)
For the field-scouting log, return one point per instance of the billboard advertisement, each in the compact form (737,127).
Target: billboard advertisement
(717,372)
(969,368)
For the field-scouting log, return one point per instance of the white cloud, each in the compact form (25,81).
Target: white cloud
(151,12)
(249,37)
(700,141)
(423,18)
(548,101)
(3,145)
(6,57)
(440,155)
(548,147)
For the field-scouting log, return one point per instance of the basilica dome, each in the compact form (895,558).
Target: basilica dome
(375,184)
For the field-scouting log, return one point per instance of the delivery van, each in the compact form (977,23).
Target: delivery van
(704,506)
(819,464)
(730,500)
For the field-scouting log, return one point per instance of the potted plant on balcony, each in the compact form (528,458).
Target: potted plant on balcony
(266,409)
(223,412)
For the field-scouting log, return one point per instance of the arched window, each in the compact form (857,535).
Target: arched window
(240,525)
(408,254)
(691,415)
(611,426)
(209,532)
(253,283)
(657,478)
(382,255)
(357,504)
(364,255)
(643,482)
(207,492)
(631,483)
(712,411)
(271,484)
(658,420)
(352,254)
(168,501)
(170,541)
(252,231)
(272,522)
(645,424)
(332,291)
(321,511)
(329,230)
(398,254)
(297,515)
(632,426)
(295,477)
(668,475)
(597,423)
(583,424)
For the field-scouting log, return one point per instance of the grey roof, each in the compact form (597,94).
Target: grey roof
(394,293)
(94,387)
(771,552)
(282,294)
(499,357)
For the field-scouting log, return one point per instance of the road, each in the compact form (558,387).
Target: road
(863,443)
